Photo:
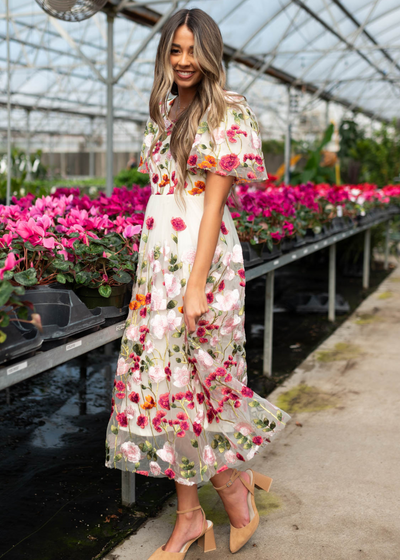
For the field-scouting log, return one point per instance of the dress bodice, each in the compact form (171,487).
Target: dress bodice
(233,149)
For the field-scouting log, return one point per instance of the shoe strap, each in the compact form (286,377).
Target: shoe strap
(236,474)
(189,510)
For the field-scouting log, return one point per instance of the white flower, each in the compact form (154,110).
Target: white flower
(130,412)
(197,140)
(156,267)
(255,140)
(219,135)
(132,332)
(240,368)
(149,346)
(159,326)
(199,417)
(229,274)
(214,340)
(167,453)
(230,456)
(229,324)
(227,259)
(237,254)
(166,249)
(181,376)
(131,451)
(217,253)
(244,428)
(188,256)
(148,139)
(172,285)
(208,455)
(155,468)
(173,320)
(122,367)
(137,376)
(227,301)
(204,358)
(156,373)
(184,481)
(157,301)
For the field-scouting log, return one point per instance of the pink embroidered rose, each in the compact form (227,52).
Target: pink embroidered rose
(157,374)
(251,175)
(230,456)
(158,302)
(229,162)
(142,421)
(229,324)
(208,455)
(167,453)
(257,440)
(172,285)
(247,392)
(255,140)
(181,376)
(132,332)
(163,401)
(134,397)
(122,419)
(122,367)
(155,468)
(204,358)
(226,301)
(169,473)
(159,326)
(150,222)
(237,254)
(244,428)
(192,160)
(188,256)
(131,452)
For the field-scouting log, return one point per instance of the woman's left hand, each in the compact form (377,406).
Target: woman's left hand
(195,304)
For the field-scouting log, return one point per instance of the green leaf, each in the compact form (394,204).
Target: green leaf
(26,277)
(3,337)
(114,429)
(61,278)
(105,291)
(118,457)
(175,348)
(194,443)
(6,289)
(122,277)
(172,303)
(61,264)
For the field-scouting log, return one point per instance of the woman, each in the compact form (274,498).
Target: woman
(181,406)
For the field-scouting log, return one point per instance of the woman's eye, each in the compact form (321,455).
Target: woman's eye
(174,51)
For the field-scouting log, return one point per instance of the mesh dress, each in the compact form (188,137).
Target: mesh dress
(181,406)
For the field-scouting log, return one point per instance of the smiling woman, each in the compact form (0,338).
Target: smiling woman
(181,406)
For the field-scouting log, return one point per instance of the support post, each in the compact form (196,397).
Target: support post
(8,191)
(127,488)
(91,148)
(332,283)
(288,140)
(28,146)
(367,250)
(110,108)
(268,323)
(387,236)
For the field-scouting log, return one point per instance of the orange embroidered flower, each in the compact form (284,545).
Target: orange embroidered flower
(205,165)
(211,159)
(141,299)
(165,181)
(198,188)
(150,403)
(180,309)
(134,305)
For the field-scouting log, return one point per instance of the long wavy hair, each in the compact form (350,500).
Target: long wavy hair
(208,52)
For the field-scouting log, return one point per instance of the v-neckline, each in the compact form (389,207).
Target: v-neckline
(171,102)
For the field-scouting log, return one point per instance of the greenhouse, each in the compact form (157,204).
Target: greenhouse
(315,211)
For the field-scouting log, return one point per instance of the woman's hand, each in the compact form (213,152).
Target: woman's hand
(195,304)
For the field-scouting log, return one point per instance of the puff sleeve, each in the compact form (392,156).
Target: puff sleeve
(149,132)
(233,149)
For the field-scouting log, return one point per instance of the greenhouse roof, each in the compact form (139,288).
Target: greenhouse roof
(345,51)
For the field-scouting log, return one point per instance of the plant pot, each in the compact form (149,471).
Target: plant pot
(22,338)
(92,299)
(287,244)
(62,312)
(268,255)
(311,236)
(250,255)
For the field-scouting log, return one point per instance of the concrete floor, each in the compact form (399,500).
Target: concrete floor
(336,467)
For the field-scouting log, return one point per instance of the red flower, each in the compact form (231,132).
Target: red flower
(155,178)
(169,473)
(257,440)
(203,340)
(142,421)
(144,473)
(134,397)
(221,286)
(120,386)
(223,468)
(189,395)
(143,312)
(201,331)
(192,161)
(241,273)
(122,419)
(181,433)
(229,162)
(197,428)
(200,398)
(148,298)
(247,392)
(182,416)
(178,224)
(223,228)
(240,457)
(120,395)
(210,297)
(163,401)
(150,222)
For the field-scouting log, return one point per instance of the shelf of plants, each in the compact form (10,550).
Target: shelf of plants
(71,259)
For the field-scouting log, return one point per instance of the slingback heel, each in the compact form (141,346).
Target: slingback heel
(240,536)
(206,540)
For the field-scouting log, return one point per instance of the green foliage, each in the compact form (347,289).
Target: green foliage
(274,147)
(129,177)
(350,134)
(379,156)
(313,171)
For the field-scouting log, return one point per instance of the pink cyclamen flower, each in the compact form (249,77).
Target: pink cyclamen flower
(9,264)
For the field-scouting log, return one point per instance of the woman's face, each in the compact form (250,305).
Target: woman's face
(186,70)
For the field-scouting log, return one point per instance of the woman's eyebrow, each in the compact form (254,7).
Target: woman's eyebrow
(177,45)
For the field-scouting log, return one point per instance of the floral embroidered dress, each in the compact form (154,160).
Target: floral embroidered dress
(181,407)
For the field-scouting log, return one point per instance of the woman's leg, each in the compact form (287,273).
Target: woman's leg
(188,525)
(234,497)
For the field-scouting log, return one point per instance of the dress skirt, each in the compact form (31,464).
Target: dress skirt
(181,406)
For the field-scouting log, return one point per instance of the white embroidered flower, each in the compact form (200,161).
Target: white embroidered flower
(131,451)
(173,320)
(122,367)
(156,373)
(166,249)
(237,254)
(155,468)
(227,259)
(181,376)
(130,412)
(208,455)
(132,332)
(158,302)
(217,253)
(159,326)
(227,301)
(244,428)
(255,140)
(167,453)
(230,456)
(199,417)
(229,324)
(229,274)
(214,340)
(184,481)
(148,140)
(172,285)
(149,346)
(204,358)
(156,267)
(188,256)
(197,140)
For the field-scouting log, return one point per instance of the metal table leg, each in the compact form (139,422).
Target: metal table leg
(386,263)
(332,282)
(367,251)
(268,323)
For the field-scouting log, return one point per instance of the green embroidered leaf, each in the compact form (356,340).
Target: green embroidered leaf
(279,415)
(203,147)
(203,469)
(214,444)
(114,429)
(174,238)
(177,334)
(175,348)
(194,443)
(183,282)
(221,448)
(172,303)
(118,457)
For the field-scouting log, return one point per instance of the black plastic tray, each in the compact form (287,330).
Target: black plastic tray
(22,338)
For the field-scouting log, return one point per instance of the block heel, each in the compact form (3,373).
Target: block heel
(207,541)
(261,481)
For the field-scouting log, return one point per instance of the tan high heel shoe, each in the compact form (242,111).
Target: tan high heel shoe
(206,540)
(240,536)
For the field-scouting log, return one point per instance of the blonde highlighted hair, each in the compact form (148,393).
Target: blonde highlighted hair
(208,52)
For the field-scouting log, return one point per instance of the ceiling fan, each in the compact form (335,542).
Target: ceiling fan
(71,10)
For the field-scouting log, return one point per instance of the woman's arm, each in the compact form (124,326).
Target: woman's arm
(215,197)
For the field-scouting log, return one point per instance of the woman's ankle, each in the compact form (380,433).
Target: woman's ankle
(222,478)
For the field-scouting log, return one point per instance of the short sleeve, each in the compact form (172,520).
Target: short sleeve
(149,132)
(235,148)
